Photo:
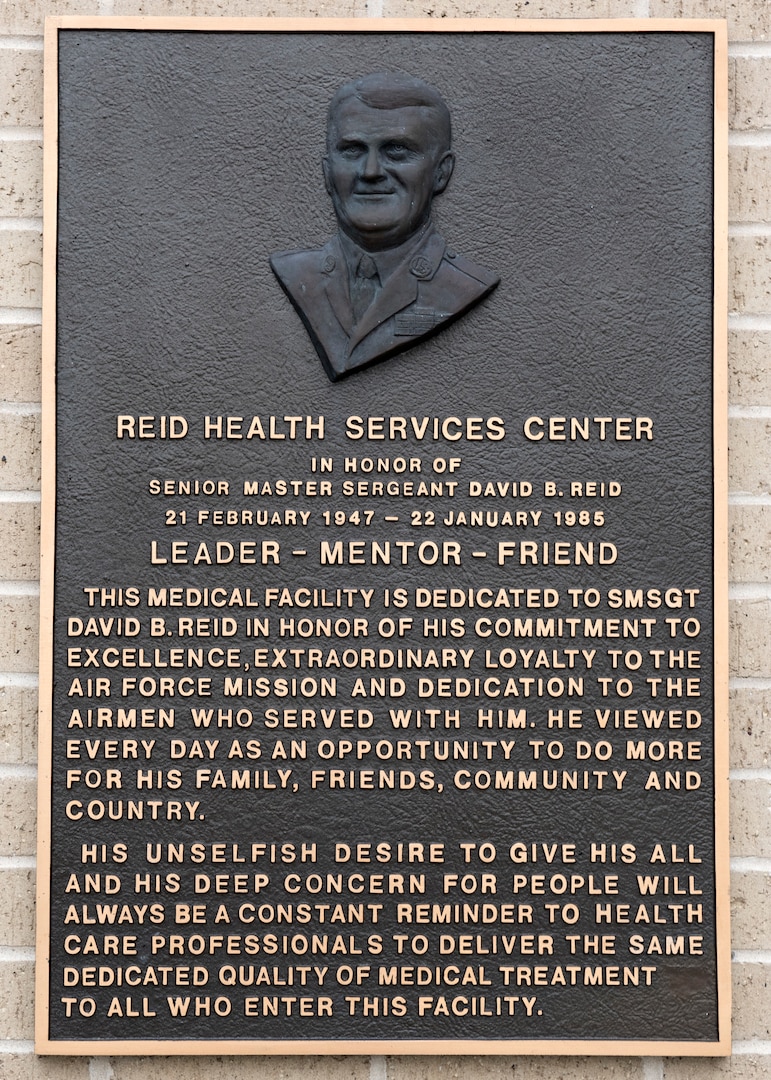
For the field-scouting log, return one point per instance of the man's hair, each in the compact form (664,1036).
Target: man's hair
(389,90)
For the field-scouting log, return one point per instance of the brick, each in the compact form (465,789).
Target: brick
(751,1001)
(749,365)
(18,725)
(19,641)
(749,193)
(17,908)
(20,552)
(749,104)
(751,911)
(520,1068)
(749,273)
(751,819)
(748,20)
(17,818)
(513,9)
(748,442)
(21,268)
(749,543)
(20,452)
(449,1068)
(21,178)
(241,1068)
(750,638)
(31,1067)
(16,1000)
(20,352)
(290,8)
(750,726)
(27,16)
(21,76)
(739,1067)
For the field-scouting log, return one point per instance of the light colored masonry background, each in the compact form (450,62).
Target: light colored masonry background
(21,160)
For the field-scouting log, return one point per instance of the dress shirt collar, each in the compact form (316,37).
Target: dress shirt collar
(386,261)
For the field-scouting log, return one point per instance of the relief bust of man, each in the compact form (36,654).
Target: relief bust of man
(387,279)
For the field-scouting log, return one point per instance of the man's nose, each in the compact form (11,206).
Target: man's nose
(372,167)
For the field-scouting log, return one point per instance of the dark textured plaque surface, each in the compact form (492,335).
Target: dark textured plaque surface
(584,178)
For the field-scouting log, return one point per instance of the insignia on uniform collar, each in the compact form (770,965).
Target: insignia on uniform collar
(421,267)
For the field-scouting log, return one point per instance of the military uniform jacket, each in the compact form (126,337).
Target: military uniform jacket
(423,294)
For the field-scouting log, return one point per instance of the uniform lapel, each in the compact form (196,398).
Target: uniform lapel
(401,289)
(335,274)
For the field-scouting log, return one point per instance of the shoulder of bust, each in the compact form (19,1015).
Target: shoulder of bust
(487,278)
(290,262)
(311,261)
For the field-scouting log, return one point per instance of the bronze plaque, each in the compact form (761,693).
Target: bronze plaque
(384,665)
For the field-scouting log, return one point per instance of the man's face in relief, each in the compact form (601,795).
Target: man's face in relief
(382,169)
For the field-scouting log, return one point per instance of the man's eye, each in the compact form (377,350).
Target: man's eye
(349,151)
(398,151)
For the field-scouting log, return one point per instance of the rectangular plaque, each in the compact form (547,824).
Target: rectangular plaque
(384,652)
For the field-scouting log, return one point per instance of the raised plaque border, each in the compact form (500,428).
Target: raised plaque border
(721,1047)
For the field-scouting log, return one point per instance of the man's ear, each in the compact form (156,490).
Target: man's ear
(325,170)
(443,172)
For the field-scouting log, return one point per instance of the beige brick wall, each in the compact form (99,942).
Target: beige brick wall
(748,20)
(21,169)
(749,353)
(20,363)
(750,551)
(21,268)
